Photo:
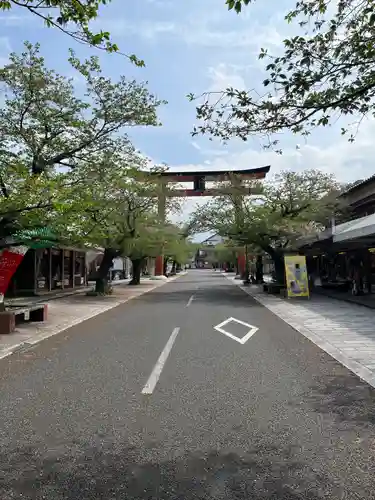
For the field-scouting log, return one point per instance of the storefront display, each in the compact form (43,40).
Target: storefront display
(47,269)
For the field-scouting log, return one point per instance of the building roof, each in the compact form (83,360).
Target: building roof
(354,229)
(213,236)
(346,232)
(359,185)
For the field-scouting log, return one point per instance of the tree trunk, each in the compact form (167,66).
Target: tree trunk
(277,257)
(259,269)
(246,273)
(136,273)
(101,281)
(278,260)
(173,270)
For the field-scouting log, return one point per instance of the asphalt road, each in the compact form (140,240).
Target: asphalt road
(91,414)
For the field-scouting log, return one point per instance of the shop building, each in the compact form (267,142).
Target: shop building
(46,270)
(342,258)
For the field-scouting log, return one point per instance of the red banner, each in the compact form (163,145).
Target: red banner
(159,265)
(10,259)
(241,263)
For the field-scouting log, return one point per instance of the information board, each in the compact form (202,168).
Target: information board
(296,276)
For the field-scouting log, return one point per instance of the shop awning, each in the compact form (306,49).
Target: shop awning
(314,239)
(355,229)
(34,238)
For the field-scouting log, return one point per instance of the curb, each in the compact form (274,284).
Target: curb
(31,342)
(354,366)
(77,291)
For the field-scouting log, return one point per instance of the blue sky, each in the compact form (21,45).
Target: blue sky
(195,46)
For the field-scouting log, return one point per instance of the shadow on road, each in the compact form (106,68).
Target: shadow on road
(220,295)
(346,398)
(266,473)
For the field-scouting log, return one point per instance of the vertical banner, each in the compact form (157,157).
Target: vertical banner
(296,276)
(10,259)
(159,265)
(241,261)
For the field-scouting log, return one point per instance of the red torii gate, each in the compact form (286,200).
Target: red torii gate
(199,179)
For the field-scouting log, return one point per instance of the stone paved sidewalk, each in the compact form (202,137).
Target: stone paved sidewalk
(345,331)
(71,310)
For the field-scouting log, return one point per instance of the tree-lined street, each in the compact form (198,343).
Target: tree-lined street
(265,419)
(249,383)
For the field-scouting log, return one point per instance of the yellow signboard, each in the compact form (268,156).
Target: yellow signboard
(296,276)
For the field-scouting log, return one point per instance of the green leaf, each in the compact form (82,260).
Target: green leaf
(71,17)
(86,183)
(316,74)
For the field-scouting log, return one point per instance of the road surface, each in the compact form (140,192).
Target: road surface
(150,401)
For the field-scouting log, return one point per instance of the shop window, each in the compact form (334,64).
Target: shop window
(56,269)
(68,280)
(42,269)
(79,269)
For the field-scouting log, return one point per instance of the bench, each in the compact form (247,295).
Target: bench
(340,286)
(37,312)
(273,287)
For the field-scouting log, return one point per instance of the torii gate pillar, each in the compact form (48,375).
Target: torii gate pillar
(162,198)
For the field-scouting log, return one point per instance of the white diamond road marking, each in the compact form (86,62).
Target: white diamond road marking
(245,338)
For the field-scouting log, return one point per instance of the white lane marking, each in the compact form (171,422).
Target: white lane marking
(252,329)
(158,368)
(190,301)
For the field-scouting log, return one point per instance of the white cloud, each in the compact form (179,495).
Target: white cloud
(348,162)
(206,28)
(209,152)
(5,49)
(254,36)
(5,46)
(146,29)
(151,29)
(13,20)
(223,76)
(196,146)
(161,3)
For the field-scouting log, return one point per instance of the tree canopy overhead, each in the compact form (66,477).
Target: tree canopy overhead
(65,160)
(323,74)
(71,17)
(46,124)
(67,163)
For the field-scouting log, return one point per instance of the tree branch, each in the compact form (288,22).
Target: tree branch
(26,209)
